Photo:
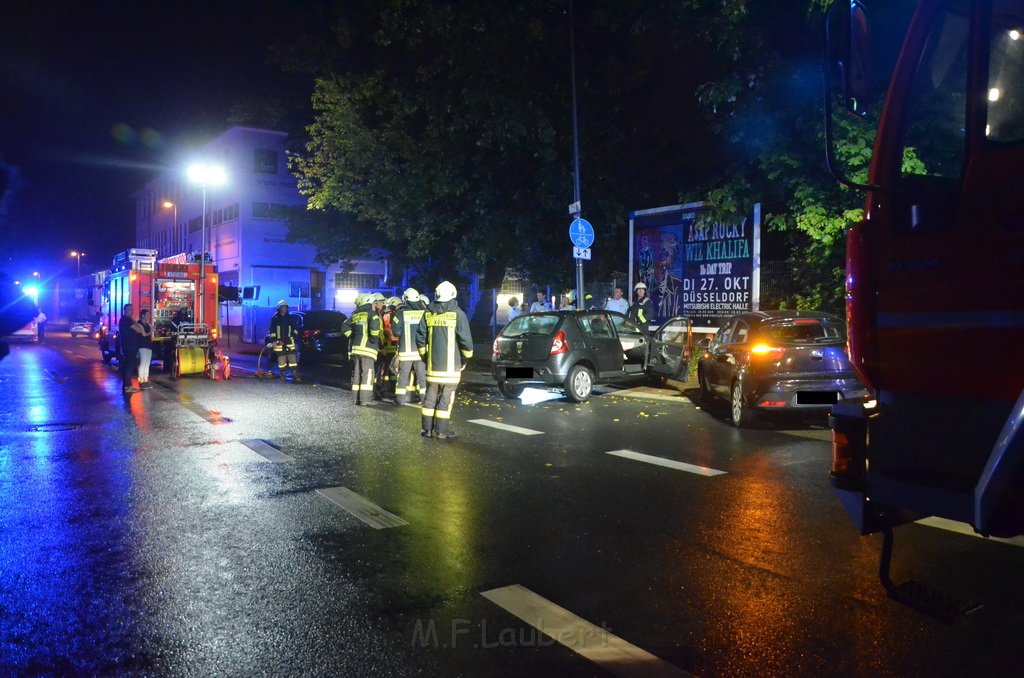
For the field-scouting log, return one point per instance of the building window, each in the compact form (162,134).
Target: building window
(264,161)
(358,281)
(195,224)
(270,210)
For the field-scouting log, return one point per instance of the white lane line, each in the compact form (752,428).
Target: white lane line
(361,508)
(667,463)
(266,450)
(507,427)
(595,643)
(964,528)
(416,405)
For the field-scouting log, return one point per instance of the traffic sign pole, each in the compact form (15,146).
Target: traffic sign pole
(581,233)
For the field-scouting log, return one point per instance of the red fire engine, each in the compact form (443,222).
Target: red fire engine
(935,273)
(184,313)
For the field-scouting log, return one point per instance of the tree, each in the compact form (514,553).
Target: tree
(445,128)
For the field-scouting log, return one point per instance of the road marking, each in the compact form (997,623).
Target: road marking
(595,643)
(507,427)
(668,463)
(361,508)
(186,401)
(964,528)
(266,450)
(643,392)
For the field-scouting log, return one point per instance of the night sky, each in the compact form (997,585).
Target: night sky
(97,97)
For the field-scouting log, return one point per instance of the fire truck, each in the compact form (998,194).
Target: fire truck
(935,272)
(184,314)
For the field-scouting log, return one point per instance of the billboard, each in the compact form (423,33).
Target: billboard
(694,265)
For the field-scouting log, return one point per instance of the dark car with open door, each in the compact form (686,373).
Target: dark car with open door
(778,361)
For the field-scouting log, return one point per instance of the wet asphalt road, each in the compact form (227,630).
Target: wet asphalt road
(141,535)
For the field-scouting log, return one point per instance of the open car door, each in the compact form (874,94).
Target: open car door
(671,348)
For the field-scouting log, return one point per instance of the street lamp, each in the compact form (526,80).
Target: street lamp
(205,174)
(168,204)
(78,255)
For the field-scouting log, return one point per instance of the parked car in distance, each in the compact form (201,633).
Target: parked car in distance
(320,336)
(777,361)
(80,326)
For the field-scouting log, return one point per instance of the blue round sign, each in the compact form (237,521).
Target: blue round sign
(581,233)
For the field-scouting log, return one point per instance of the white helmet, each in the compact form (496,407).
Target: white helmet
(639,286)
(425,299)
(282,303)
(571,296)
(411,294)
(445,292)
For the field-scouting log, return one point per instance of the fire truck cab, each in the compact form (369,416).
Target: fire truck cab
(184,318)
(935,271)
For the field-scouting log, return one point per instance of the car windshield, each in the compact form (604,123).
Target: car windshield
(538,325)
(806,331)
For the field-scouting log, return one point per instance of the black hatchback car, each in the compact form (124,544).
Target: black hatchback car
(321,337)
(571,349)
(777,361)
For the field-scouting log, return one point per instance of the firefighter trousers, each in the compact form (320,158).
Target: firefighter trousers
(437,407)
(362,378)
(406,370)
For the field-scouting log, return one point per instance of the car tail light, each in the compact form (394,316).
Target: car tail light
(306,334)
(494,348)
(766,352)
(559,344)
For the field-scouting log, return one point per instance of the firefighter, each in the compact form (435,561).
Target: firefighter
(284,330)
(363,331)
(404,325)
(642,310)
(444,341)
(387,362)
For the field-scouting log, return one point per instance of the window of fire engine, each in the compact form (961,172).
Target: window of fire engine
(1005,123)
(936,109)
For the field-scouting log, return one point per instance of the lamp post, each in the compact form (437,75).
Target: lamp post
(78,255)
(174,227)
(204,175)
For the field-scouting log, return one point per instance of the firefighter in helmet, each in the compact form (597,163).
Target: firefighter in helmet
(363,331)
(642,310)
(284,331)
(387,366)
(444,340)
(404,325)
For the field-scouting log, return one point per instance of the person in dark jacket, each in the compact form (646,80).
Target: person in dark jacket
(129,336)
(363,331)
(282,338)
(642,310)
(404,325)
(444,340)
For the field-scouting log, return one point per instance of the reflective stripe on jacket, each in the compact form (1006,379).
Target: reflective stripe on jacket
(444,340)
(641,312)
(404,324)
(363,331)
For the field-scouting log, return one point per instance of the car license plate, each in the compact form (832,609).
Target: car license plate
(817,397)
(519,373)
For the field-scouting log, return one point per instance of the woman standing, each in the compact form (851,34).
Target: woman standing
(145,349)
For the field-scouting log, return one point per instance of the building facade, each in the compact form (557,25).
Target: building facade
(246,232)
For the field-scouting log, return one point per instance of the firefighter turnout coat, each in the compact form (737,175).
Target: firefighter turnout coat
(363,331)
(444,341)
(404,325)
(284,329)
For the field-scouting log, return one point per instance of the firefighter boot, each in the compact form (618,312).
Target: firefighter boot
(427,426)
(443,430)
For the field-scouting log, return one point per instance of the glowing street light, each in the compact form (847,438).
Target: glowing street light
(205,175)
(78,255)
(168,205)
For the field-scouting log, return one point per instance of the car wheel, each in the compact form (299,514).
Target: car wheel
(739,413)
(106,357)
(579,384)
(510,391)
